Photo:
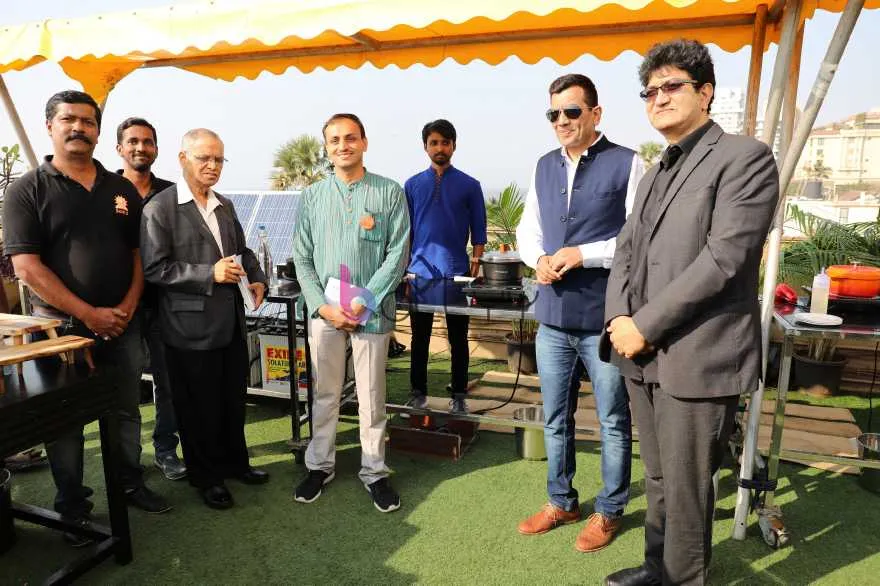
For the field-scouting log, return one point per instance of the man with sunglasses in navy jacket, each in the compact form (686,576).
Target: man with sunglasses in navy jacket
(579,198)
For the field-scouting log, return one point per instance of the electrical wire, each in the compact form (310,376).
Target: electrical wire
(871,389)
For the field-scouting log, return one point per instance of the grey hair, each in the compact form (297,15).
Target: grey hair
(195,134)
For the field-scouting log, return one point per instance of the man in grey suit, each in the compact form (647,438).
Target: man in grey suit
(190,238)
(682,306)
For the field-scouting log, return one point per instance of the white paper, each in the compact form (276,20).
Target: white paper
(333,296)
(243,286)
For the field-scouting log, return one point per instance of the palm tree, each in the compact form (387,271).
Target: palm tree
(299,163)
(650,153)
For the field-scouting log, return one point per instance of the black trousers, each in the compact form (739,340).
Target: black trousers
(457,330)
(682,442)
(208,389)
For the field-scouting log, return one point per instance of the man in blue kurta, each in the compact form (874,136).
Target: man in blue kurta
(579,198)
(446,207)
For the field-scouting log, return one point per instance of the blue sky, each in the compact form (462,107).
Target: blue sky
(498,110)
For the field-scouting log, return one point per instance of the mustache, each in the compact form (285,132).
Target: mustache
(78,136)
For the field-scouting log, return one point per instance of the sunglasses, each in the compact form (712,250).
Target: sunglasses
(571,112)
(668,87)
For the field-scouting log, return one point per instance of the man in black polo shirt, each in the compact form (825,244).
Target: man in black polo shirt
(71,228)
(137,144)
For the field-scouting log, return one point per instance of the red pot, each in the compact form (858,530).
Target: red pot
(854,280)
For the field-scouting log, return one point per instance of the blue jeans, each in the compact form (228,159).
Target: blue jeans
(124,357)
(165,438)
(559,352)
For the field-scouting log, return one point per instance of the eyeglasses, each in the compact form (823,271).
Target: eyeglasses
(205,159)
(668,87)
(571,112)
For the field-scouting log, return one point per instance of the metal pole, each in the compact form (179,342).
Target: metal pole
(820,88)
(836,47)
(17,125)
(791,19)
(756,63)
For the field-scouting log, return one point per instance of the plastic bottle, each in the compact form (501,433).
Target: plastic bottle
(264,255)
(819,296)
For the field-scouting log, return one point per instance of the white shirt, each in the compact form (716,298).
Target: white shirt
(184,195)
(530,238)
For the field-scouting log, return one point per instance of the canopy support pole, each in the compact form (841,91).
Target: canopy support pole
(791,18)
(828,68)
(756,63)
(23,140)
(789,104)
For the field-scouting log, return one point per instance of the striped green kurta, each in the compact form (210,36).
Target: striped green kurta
(329,233)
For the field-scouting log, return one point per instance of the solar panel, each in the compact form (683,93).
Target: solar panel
(276,210)
(244,204)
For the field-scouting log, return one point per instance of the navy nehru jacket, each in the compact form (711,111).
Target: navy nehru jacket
(444,211)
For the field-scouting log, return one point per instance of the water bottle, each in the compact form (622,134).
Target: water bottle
(819,295)
(264,256)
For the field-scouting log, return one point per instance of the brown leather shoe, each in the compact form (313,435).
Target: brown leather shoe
(548,518)
(597,533)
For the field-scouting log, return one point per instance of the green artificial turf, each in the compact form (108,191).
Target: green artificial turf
(457,523)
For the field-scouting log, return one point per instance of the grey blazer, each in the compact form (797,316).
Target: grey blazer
(703,254)
(179,253)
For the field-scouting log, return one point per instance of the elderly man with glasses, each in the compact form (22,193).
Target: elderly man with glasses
(578,200)
(194,251)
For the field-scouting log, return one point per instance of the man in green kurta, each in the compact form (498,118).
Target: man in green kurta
(352,227)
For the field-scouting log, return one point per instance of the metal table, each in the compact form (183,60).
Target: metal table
(445,296)
(287,293)
(855,326)
(47,400)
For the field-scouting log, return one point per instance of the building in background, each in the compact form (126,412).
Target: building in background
(729,111)
(845,154)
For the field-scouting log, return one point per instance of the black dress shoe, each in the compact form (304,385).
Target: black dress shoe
(254,476)
(217,497)
(640,576)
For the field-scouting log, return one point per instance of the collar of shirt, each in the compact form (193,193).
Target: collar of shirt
(51,169)
(153,188)
(571,165)
(184,195)
(685,145)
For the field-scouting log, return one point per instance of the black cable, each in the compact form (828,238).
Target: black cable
(871,389)
(522,318)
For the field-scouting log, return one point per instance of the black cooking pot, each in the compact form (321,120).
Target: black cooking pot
(502,270)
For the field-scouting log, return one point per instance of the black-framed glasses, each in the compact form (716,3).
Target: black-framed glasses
(668,87)
(571,112)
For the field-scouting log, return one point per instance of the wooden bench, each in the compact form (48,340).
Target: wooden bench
(14,328)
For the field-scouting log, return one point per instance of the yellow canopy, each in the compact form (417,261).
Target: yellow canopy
(225,40)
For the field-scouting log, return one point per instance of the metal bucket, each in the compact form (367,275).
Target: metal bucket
(7,531)
(530,440)
(869,449)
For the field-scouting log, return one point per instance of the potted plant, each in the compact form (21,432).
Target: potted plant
(503,215)
(825,243)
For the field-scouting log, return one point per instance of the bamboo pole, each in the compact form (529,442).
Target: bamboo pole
(20,132)
(756,63)
(828,68)
(789,104)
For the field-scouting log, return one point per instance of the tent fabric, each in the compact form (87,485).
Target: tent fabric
(232,38)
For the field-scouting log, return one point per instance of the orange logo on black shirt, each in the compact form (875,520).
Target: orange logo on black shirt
(121,205)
